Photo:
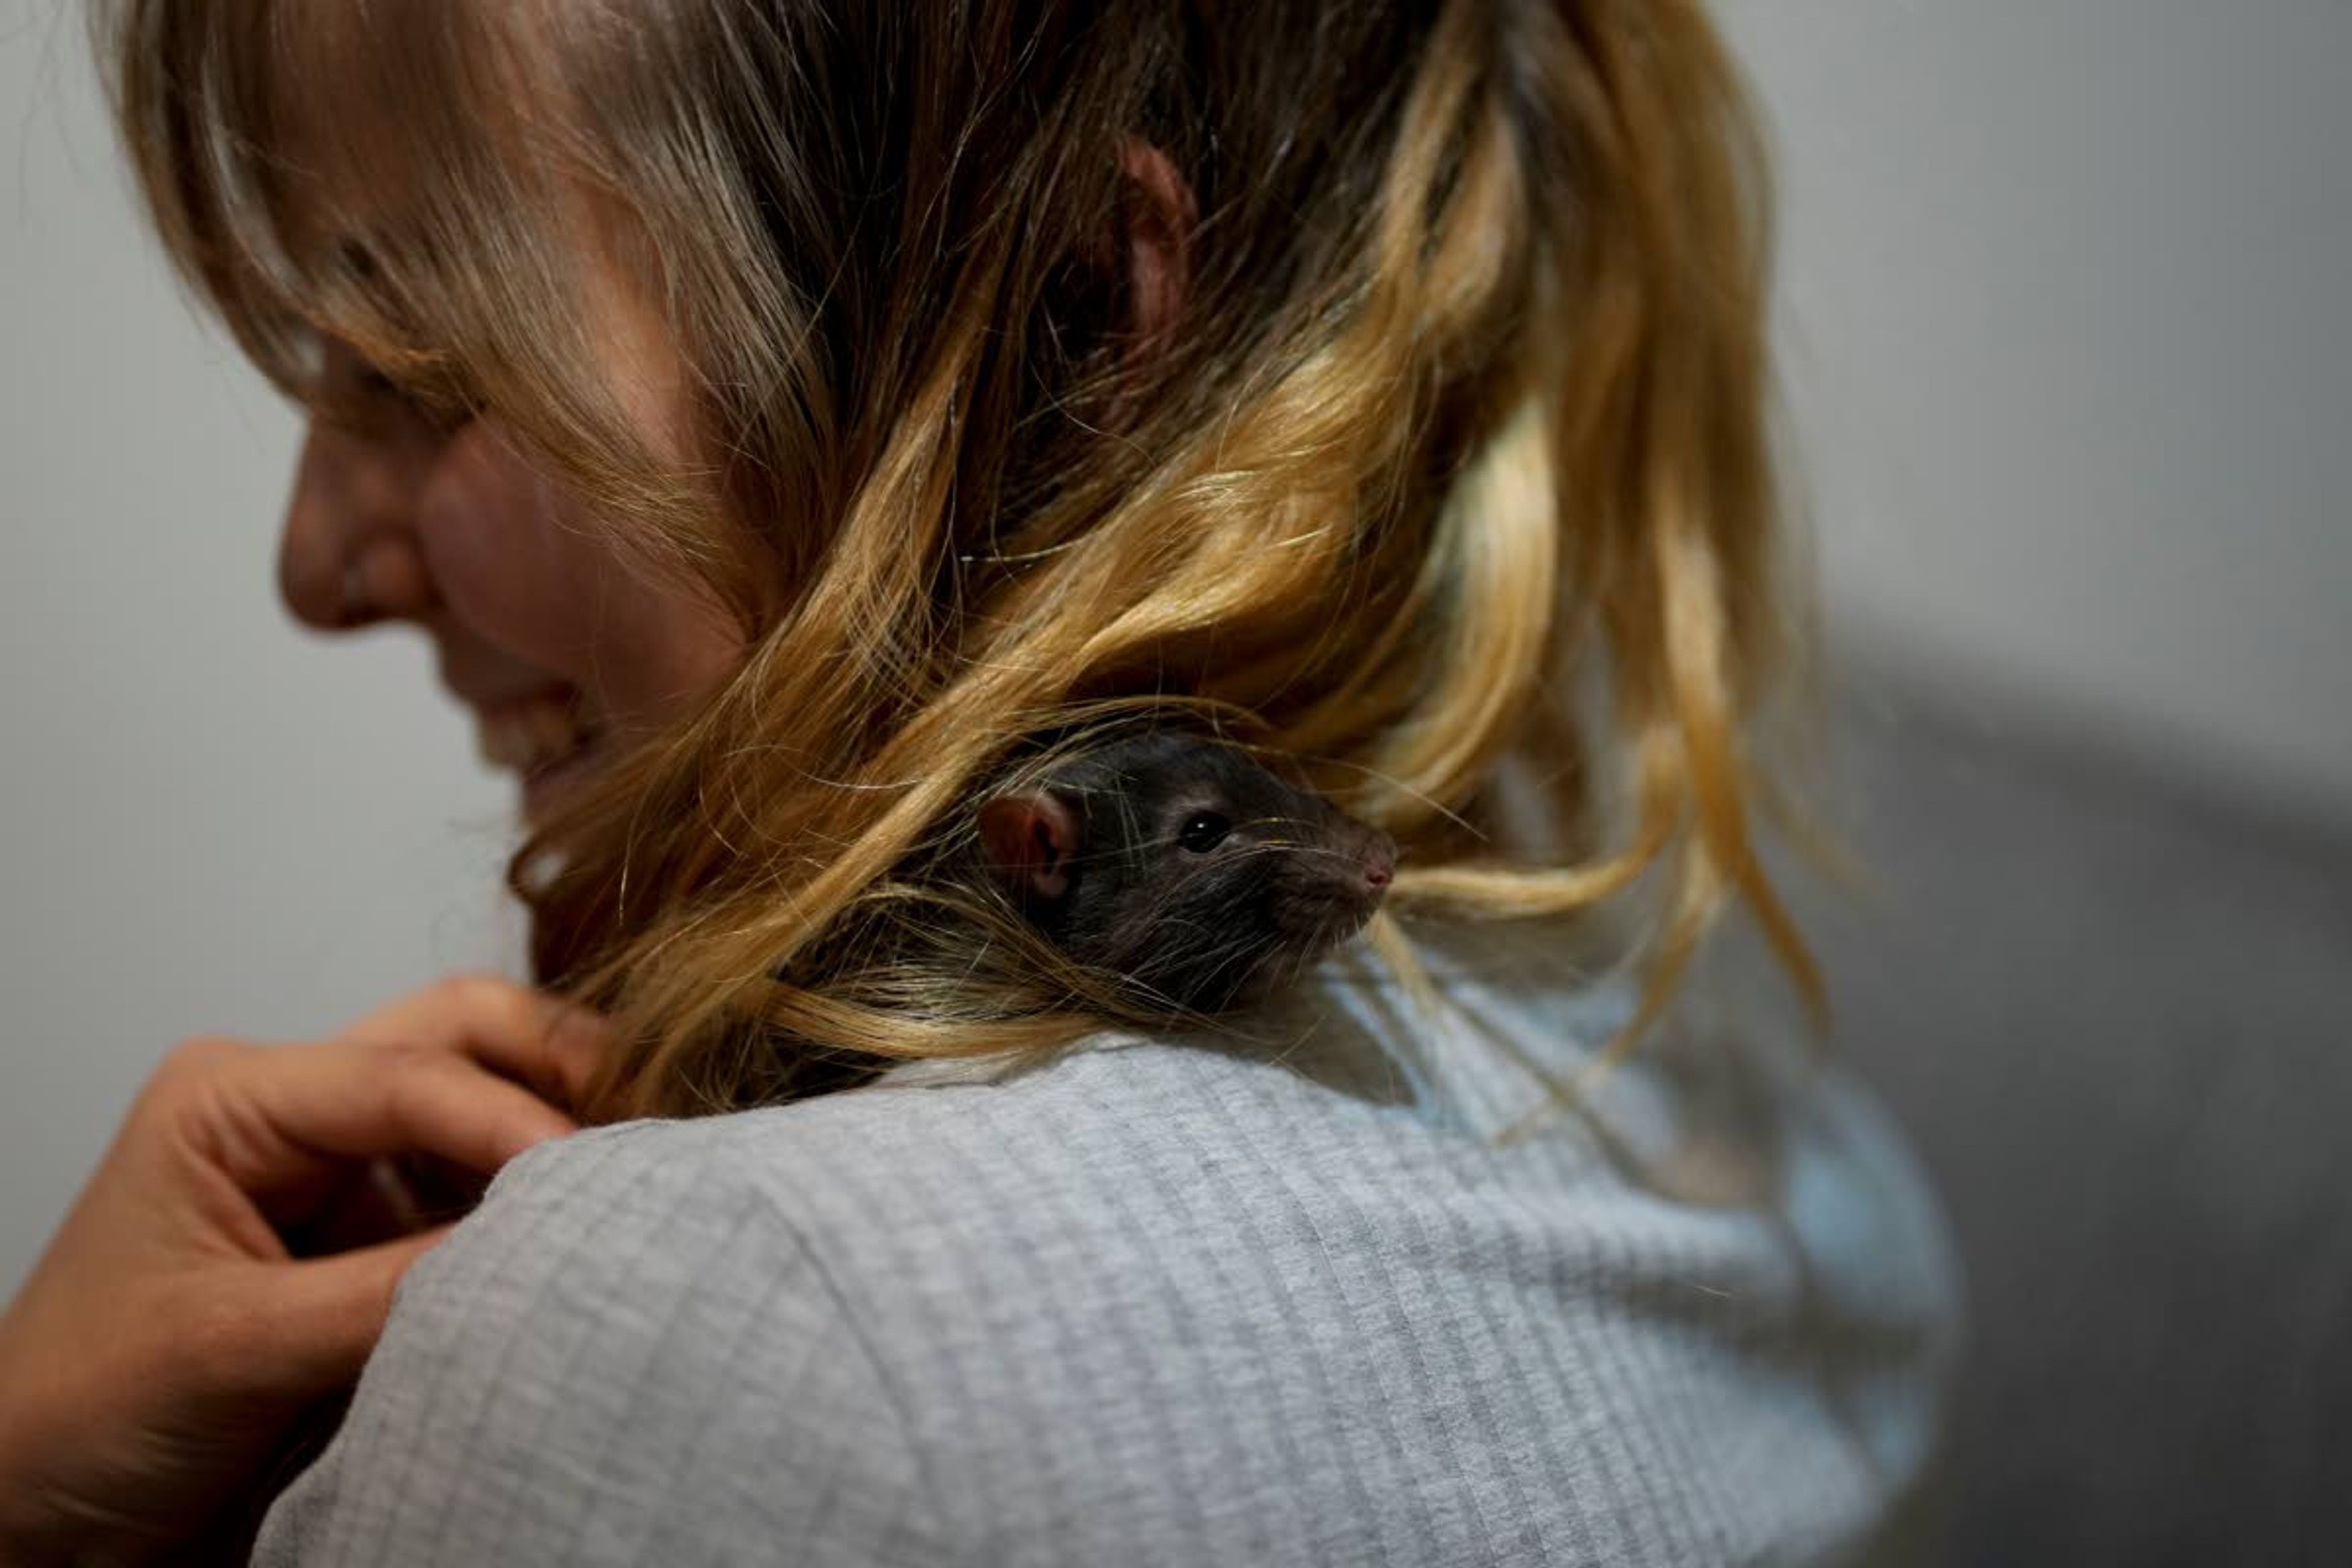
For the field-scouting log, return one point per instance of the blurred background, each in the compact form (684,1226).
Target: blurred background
(2070,367)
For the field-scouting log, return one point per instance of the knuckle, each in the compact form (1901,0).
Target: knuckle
(478,992)
(406,1090)
(481,985)
(200,1056)
(402,1061)
(412,1075)
(578,1021)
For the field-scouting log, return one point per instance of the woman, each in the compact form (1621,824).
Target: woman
(776,415)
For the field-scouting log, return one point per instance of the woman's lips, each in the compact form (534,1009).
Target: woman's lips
(528,734)
(545,739)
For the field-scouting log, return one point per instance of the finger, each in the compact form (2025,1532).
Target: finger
(361,1202)
(544,1040)
(549,1043)
(286,1111)
(327,1313)
(438,1190)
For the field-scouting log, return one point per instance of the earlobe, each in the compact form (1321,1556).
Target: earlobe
(1159,242)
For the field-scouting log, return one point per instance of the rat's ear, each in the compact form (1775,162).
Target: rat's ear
(1030,840)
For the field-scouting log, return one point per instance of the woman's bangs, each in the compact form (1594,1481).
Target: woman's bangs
(287,152)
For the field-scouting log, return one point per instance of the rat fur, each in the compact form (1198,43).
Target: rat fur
(1183,866)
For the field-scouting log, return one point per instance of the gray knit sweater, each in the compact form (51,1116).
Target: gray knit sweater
(1269,1298)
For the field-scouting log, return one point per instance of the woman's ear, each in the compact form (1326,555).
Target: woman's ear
(1158,244)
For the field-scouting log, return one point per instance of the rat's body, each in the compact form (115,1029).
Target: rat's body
(1185,868)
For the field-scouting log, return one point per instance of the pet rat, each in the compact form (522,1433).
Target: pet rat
(1185,867)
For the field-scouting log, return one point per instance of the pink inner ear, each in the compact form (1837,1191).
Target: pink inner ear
(1030,839)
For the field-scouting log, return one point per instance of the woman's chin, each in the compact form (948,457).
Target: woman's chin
(547,785)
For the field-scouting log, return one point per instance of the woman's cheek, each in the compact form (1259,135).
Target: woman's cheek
(507,563)
(517,561)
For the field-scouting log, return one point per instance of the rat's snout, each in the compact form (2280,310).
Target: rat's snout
(1378,856)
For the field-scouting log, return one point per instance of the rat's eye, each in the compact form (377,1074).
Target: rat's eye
(1203,831)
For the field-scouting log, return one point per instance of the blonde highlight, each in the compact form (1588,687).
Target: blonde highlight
(1460,456)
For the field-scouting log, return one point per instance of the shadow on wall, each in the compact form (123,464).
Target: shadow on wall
(2115,1010)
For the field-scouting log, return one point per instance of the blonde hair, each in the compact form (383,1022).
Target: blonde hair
(1459,451)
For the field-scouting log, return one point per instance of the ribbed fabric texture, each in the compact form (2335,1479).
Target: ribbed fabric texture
(1274,1299)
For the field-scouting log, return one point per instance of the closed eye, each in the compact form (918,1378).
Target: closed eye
(374,382)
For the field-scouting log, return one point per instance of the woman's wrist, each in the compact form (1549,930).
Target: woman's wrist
(34,1528)
(37,1524)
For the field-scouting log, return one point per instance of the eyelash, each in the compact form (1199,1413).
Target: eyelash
(375,383)
(350,390)
(377,392)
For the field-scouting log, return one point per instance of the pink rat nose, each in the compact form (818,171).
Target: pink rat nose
(1375,854)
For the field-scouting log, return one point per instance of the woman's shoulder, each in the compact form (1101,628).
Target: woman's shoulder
(1081,1303)
(627,1353)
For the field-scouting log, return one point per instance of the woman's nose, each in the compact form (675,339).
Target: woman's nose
(348,555)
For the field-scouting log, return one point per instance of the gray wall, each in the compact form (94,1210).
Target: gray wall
(209,821)
(2063,331)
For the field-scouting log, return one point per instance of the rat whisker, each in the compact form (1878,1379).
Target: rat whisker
(1398,784)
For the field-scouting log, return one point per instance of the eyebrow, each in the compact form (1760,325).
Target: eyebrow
(356,255)
(360,253)
(354,251)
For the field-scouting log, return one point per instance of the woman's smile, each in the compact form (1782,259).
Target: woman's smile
(557,644)
(547,740)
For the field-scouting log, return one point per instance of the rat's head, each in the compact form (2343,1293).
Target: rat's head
(1185,866)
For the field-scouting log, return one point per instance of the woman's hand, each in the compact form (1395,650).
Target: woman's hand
(173,1331)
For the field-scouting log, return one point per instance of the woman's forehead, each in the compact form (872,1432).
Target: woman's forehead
(364,108)
(341,165)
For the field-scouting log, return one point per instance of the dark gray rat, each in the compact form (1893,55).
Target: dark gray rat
(1185,867)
